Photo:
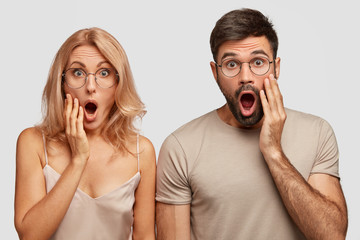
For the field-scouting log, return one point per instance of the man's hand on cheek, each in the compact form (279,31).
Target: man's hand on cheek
(274,119)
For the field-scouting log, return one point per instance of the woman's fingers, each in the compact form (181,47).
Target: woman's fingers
(80,120)
(67,113)
(74,128)
(74,116)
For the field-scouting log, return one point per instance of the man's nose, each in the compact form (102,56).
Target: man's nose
(246,76)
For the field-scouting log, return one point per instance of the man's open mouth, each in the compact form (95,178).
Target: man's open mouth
(247,100)
(247,103)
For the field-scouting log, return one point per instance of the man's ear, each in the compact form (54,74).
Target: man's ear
(214,70)
(277,67)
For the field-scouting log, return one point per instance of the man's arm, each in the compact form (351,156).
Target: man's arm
(318,206)
(172,221)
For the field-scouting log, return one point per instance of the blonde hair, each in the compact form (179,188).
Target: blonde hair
(127,107)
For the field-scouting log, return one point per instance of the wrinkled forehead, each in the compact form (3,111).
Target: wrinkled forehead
(246,48)
(86,52)
(86,55)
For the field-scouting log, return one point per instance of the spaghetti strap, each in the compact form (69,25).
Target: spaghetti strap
(44,141)
(138,152)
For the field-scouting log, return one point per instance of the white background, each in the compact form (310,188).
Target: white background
(168,47)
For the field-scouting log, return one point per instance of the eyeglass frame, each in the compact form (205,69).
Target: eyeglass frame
(241,63)
(86,77)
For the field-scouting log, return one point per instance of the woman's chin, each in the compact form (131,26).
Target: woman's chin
(93,127)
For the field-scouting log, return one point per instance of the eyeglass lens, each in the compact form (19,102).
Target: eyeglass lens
(232,67)
(104,77)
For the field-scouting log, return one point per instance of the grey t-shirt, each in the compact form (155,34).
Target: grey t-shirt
(220,171)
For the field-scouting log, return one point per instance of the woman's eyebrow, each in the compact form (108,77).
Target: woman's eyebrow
(84,66)
(100,63)
(76,62)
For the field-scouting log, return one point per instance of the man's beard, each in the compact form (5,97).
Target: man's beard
(233,104)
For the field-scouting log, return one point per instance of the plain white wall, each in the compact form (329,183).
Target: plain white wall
(168,47)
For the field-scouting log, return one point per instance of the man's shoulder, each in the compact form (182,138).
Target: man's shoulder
(185,142)
(189,136)
(195,126)
(294,115)
(305,121)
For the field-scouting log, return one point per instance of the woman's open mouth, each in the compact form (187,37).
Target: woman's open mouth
(90,111)
(90,108)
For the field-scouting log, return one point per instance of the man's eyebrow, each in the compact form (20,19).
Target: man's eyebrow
(228,54)
(232,54)
(256,52)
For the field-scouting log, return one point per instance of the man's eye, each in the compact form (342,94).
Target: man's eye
(231,64)
(258,62)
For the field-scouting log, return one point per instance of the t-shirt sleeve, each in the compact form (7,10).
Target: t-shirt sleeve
(327,158)
(172,185)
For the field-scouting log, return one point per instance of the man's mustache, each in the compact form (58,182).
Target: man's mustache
(246,88)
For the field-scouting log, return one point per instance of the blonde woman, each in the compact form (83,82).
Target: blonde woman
(84,172)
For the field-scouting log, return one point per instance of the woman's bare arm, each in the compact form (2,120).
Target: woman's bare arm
(144,208)
(37,214)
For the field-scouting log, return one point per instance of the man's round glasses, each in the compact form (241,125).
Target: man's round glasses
(231,67)
(77,77)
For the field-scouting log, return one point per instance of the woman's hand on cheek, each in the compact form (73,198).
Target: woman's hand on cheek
(74,130)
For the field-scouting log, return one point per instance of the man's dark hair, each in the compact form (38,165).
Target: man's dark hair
(240,24)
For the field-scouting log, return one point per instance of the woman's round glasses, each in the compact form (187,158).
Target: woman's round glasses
(77,77)
(232,67)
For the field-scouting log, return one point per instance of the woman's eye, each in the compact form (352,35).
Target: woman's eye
(104,73)
(78,73)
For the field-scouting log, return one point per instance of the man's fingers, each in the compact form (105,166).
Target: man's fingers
(276,91)
(270,94)
(278,97)
(264,103)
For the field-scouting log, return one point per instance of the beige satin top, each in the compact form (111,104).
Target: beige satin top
(109,216)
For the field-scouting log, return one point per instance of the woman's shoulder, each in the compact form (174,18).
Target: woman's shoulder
(30,135)
(29,145)
(146,151)
(145,143)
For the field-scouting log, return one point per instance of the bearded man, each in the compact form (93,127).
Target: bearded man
(251,169)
